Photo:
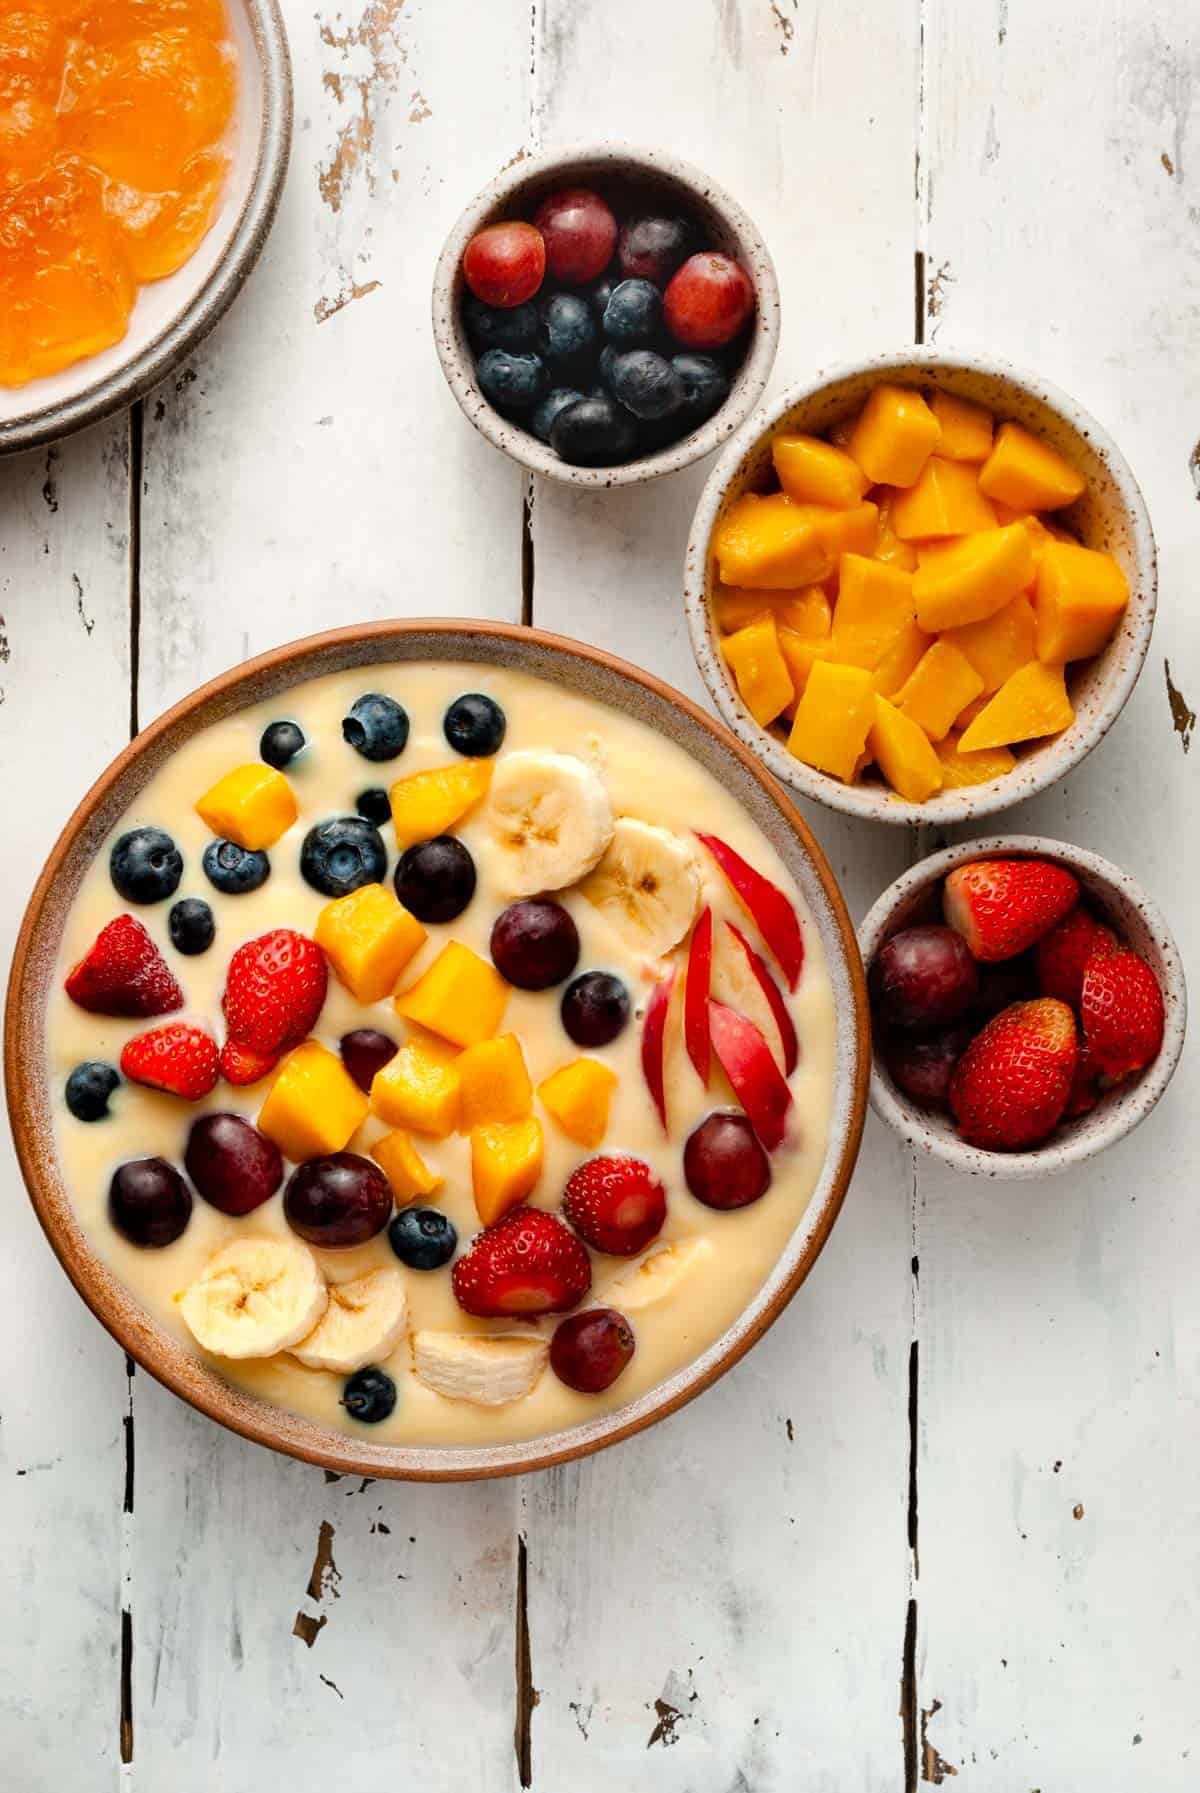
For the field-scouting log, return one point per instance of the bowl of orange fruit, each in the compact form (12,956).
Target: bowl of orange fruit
(921,587)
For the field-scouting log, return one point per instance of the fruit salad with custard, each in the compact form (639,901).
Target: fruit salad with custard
(423,1066)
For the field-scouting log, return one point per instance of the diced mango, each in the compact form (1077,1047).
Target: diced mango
(895,435)
(901,660)
(945,501)
(832,718)
(800,652)
(495,1083)
(416,1090)
(578,1096)
(759,669)
(314,1105)
(806,610)
(966,427)
(770,543)
(888,546)
(426,804)
(368,937)
(1027,473)
(1033,703)
(401,1163)
(1001,643)
(506,1162)
(874,609)
(1081,597)
(902,751)
(251,806)
(815,472)
(854,531)
(963,581)
(942,682)
(960,768)
(976,707)
(461,997)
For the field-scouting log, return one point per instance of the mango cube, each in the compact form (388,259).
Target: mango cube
(945,500)
(1032,703)
(964,581)
(495,1083)
(815,472)
(506,1162)
(966,427)
(832,718)
(1027,473)
(854,531)
(314,1105)
(888,546)
(759,668)
(410,1177)
(1081,597)
(578,1096)
(941,683)
(368,937)
(968,713)
(805,610)
(1000,644)
(771,544)
(461,997)
(900,661)
(901,750)
(251,806)
(874,609)
(960,768)
(416,1090)
(894,436)
(800,652)
(426,804)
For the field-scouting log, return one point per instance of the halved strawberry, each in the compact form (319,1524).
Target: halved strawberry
(528,1263)
(1066,949)
(178,1058)
(615,1203)
(1011,1085)
(1001,906)
(767,906)
(775,1001)
(750,1066)
(1122,1009)
(695,997)
(124,974)
(654,1042)
(274,990)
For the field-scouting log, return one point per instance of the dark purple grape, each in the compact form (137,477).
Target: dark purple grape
(922,1064)
(651,248)
(595,1008)
(366,1051)
(148,1201)
(339,1200)
(724,1164)
(923,977)
(589,1350)
(435,880)
(1007,981)
(234,1166)
(535,944)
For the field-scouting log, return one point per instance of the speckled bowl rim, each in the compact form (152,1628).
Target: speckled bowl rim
(1122,1109)
(134,378)
(1053,761)
(591,160)
(564,662)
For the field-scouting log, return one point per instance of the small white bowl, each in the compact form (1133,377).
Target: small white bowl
(916,897)
(639,175)
(1111,514)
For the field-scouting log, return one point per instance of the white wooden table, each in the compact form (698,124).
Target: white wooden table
(945,1519)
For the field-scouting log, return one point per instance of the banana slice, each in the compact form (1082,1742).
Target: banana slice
(656,1276)
(550,820)
(647,886)
(255,1297)
(465,1366)
(362,1324)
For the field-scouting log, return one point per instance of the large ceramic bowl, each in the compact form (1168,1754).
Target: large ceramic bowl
(171,316)
(628,176)
(593,675)
(1111,514)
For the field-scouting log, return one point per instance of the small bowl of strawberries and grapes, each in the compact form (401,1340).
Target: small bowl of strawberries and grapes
(605,315)
(1028,1005)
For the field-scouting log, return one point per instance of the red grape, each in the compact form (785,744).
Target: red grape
(652,246)
(535,944)
(148,1202)
(724,1164)
(922,1064)
(339,1200)
(503,264)
(580,234)
(923,977)
(708,301)
(234,1166)
(589,1350)
(364,1051)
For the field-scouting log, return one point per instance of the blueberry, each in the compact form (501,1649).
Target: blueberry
(377,727)
(341,855)
(234,870)
(542,421)
(601,293)
(435,880)
(595,1008)
(705,385)
(633,314)
(191,926)
(146,865)
(88,1088)
(608,360)
(511,382)
(369,1395)
(647,384)
(566,330)
(652,248)
(653,437)
(593,432)
(475,725)
(281,742)
(422,1238)
(491,327)
(374,805)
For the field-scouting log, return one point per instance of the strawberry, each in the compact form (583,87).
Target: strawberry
(124,974)
(528,1263)
(274,991)
(1011,1085)
(1066,949)
(1001,906)
(1122,1010)
(616,1204)
(177,1058)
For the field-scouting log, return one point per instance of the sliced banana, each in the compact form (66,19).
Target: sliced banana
(657,1276)
(550,820)
(362,1324)
(647,886)
(255,1297)
(466,1366)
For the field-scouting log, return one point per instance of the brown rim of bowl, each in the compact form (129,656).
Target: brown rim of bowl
(135,378)
(186,1375)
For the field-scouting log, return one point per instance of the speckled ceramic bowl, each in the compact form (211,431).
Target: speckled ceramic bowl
(1118,899)
(628,176)
(171,316)
(594,675)
(1111,514)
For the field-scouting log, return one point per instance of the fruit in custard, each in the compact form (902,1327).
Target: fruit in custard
(191,926)
(275,988)
(374,806)
(595,1008)
(487,1371)
(363,1321)
(233,870)
(232,1165)
(368,938)
(1032,703)
(660,1273)
(589,1350)
(535,943)
(1010,1087)
(314,1106)
(1026,473)
(89,1088)
(654,1043)
(404,1167)
(423,1238)
(254,1297)
(475,725)
(705,386)
(252,806)
(767,906)
(894,436)
(633,315)
(1002,906)
(512,382)
(652,245)
(775,1001)
(646,384)
(148,1202)
(556,400)
(506,1162)
(415,1089)
(435,880)
(566,331)
(376,727)
(460,997)
(922,1064)
(341,855)
(616,1204)
(1063,954)
(578,1096)
(529,1263)
(708,300)
(123,973)
(646,886)
(724,1164)
(757,1082)
(369,1396)
(340,1199)
(426,804)
(579,232)
(514,327)
(503,264)
(695,997)
(1122,1010)
(593,432)
(550,818)
(145,865)
(281,743)
(177,1058)
(495,1082)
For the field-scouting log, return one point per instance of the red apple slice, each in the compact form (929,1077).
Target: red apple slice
(766,905)
(774,996)
(757,1081)
(654,1030)
(695,997)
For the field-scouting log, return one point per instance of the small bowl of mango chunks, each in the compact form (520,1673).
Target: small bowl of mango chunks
(922,587)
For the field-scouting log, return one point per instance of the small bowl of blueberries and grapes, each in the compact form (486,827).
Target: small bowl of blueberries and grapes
(605,315)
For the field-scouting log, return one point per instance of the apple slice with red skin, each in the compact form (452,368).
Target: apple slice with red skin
(774,996)
(654,1032)
(695,997)
(766,905)
(750,1066)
